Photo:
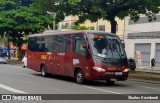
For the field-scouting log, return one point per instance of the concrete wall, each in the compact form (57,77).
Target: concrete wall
(141,27)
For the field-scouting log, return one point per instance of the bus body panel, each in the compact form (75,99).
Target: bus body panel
(68,65)
(82,63)
(65,63)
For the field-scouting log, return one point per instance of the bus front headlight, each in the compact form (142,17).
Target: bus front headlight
(125,70)
(99,69)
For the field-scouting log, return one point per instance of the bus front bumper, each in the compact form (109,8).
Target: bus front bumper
(111,76)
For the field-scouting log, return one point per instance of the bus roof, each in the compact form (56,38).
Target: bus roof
(59,32)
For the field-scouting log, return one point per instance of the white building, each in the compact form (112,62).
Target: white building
(143,36)
(69,21)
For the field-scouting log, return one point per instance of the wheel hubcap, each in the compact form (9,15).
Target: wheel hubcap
(43,72)
(79,77)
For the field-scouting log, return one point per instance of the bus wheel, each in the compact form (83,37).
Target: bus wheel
(110,82)
(43,71)
(79,77)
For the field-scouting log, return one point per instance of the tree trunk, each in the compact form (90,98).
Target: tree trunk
(20,54)
(113,23)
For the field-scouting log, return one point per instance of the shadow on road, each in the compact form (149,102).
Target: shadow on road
(87,82)
(103,84)
(57,77)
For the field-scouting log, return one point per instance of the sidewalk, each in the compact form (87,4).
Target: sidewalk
(146,74)
(12,58)
(148,69)
(14,61)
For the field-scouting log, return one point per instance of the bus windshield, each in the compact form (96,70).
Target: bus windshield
(107,46)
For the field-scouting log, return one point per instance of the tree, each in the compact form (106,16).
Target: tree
(19,18)
(102,9)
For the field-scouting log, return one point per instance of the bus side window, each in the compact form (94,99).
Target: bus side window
(41,47)
(41,44)
(60,43)
(32,44)
(77,46)
(50,45)
(68,43)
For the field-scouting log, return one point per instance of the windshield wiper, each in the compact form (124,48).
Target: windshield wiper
(119,54)
(104,56)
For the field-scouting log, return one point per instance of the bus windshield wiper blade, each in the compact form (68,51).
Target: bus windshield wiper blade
(108,58)
(119,54)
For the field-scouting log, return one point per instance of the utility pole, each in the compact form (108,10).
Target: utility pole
(97,26)
(54,16)
(54,23)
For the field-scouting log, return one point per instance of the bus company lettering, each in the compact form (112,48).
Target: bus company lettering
(49,57)
(44,57)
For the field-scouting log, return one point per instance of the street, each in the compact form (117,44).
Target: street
(17,80)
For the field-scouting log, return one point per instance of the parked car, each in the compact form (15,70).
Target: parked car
(3,60)
(132,64)
(24,61)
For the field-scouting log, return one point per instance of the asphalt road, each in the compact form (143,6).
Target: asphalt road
(17,80)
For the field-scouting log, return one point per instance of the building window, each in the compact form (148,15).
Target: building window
(72,24)
(66,24)
(102,28)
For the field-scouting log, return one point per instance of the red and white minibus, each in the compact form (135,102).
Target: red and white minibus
(91,55)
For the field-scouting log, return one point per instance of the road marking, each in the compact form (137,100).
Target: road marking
(12,89)
(26,74)
(102,90)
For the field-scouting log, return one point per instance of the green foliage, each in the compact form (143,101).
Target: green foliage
(2,39)
(65,27)
(75,27)
(7,4)
(73,1)
(78,27)
(101,9)
(19,18)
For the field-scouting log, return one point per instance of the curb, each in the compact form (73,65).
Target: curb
(15,64)
(146,71)
(144,81)
(153,72)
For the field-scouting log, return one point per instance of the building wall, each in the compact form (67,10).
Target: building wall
(69,20)
(142,32)
(101,22)
(120,31)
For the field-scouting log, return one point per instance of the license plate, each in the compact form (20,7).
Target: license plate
(113,79)
(118,73)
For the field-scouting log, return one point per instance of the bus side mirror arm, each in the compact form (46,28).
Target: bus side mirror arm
(123,45)
(87,53)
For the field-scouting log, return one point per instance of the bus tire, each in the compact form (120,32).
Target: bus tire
(43,71)
(110,82)
(79,77)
